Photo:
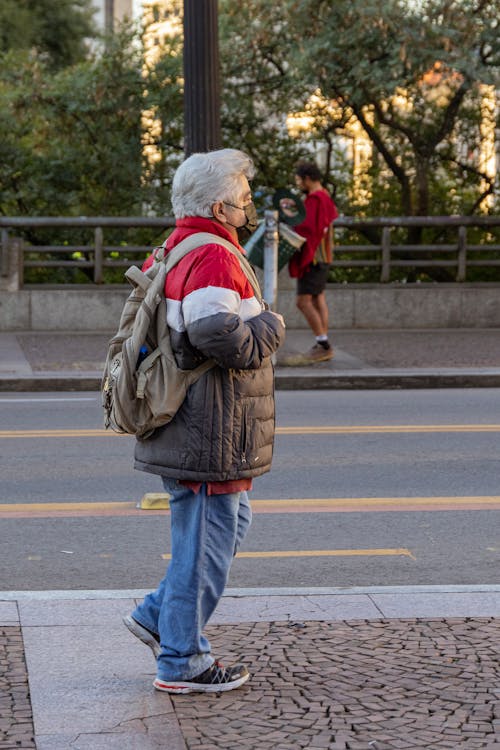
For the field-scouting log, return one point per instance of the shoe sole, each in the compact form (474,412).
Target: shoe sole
(194,687)
(324,358)
(142,634)
(300,360)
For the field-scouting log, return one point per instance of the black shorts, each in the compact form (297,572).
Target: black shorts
(314,280)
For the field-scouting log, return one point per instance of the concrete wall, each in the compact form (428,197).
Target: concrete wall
(353,306)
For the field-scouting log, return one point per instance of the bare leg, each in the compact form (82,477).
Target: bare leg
(319,302)
(310,312)
(315,311)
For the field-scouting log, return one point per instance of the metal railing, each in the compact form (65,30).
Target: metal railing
(460,255)
(382,254)
(97,254)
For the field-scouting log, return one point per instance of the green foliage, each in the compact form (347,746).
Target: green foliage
(412,74)
(70,141)
(163,102)
(57,30)
(258,87)
(98,130)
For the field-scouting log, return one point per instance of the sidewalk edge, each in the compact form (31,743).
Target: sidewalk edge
(74,594)
(345,380)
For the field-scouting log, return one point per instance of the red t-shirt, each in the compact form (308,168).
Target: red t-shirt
(320,212)
(219,488)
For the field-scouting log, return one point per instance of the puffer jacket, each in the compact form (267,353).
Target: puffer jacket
(225,428)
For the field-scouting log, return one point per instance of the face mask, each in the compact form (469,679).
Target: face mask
(246,230)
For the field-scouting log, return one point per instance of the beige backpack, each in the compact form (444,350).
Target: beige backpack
(142,386)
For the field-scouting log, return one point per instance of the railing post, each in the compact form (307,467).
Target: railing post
(98,243)
(385,272)
(271,238)
(462,254)
(4,253)
(11,262)
(18,251)
(15,276)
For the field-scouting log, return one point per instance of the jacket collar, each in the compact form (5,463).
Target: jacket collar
(191,224)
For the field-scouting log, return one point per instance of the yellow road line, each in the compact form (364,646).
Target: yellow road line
(305,430)
(376,501)
(58,433)
(321,553)
(54,507)
(381,429)
(285,505)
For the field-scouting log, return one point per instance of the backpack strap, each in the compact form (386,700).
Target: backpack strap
(207,238)
(324,251)
(138,278)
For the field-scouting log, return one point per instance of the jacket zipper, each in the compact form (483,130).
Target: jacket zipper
(243,435)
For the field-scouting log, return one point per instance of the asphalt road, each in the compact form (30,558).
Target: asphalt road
(408,483)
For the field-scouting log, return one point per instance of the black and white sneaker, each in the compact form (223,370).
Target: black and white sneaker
(216,679)
(143,634)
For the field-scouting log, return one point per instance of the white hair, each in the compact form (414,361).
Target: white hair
(205,179)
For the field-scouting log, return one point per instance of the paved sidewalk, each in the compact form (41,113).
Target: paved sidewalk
(340,669)
(389,358)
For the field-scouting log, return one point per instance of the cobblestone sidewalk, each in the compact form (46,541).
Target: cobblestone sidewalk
(16,722)
(346,685)
(353,685)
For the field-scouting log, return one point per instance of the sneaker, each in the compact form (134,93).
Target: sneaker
(216,679)
(319,353)
(143,634)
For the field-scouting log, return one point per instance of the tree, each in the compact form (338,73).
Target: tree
(104,134)
(259,87)
(58,30)
(71,140)
(162,122)
(413,75)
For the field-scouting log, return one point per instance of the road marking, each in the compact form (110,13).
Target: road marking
(41,400)
(356,504)
(48,508)
(58,433)
(321,553)
(383,429)
(68,510)
(286,505)
(307,430)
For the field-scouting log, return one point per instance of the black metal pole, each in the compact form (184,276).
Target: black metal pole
(201,77)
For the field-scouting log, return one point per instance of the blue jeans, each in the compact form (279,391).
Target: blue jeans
(206,532)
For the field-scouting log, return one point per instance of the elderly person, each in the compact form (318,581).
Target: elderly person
(222,436)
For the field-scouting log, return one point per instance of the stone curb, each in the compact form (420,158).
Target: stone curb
(374,379)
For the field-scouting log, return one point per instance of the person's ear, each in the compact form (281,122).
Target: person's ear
(218,212)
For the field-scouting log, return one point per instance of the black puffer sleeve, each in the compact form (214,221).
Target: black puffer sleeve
(235,344)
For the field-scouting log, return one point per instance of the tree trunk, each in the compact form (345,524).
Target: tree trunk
(422,184)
